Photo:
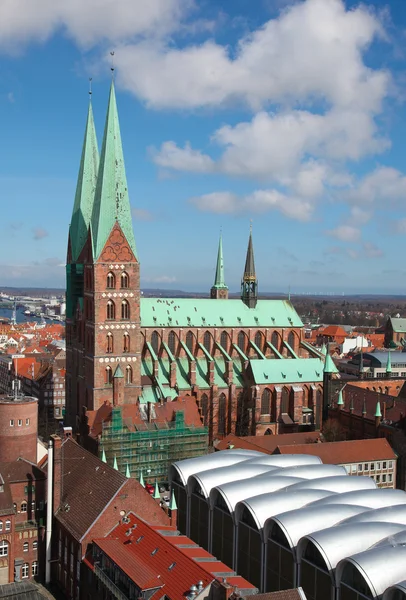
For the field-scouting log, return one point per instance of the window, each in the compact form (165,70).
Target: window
(291,340)
(108,376)
(35,545)
(172,341)
(378,466)
(11,422)
(125,280)
(155,341)
(109,343)
(25,570)
(259,340)
(128,374)
(111,281)
(34,568)
(25,547)
(1,525)
(241,341)
(224,340)
(3,548)
(390,464)
(20,422)
(390,478)
(359,467)
(8,524)
(111,310)
(207,341)
(275,340)
(383,478)
(372,466)
(384,465)
(125,310)
(23,507)
(365,467)
(378,479)
(27,421)
(126,343)
(265,402)
(347,468)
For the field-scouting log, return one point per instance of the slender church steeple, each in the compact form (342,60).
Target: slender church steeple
(111,204)
(219,289)
(249,283)
(85,189)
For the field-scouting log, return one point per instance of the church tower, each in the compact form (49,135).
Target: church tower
(106,308)
(219,289)
(249,283)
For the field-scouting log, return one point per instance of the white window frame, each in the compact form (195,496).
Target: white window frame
(25,571)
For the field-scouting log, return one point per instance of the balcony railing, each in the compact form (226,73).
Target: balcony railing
(110,585)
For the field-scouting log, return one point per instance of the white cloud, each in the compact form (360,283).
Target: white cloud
(313,49)
(345,233)
(259,201)
(371,250)
(39,233)
(384,184)
(89,22)
(141,214)
(182,159)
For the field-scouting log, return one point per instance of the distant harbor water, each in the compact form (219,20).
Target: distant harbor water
(22,318)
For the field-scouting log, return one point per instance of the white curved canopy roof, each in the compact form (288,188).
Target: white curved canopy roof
(341,484)
(287,460)
(393,539)
(236,491)
(399,587)
(207,480)
(314,471)
(267,505)
(341,541)
(189,466)
(377,498)
(297,523)
(381,567)
(387,514)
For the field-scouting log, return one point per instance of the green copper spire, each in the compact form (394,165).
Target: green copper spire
(324,349)
(156,495)
(340,401)
(172,503)
(219,279)
(104,459)
(115,465)
(329,366)
(111,203)
(249,283)
(389,364)
(118,373)
(127,472)
(378,410)
(142,480)
(85,188)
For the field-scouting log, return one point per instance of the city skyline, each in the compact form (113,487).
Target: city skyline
(214,135)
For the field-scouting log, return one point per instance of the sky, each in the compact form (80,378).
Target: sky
(289,114)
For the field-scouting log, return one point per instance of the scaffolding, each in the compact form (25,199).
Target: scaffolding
(151,447)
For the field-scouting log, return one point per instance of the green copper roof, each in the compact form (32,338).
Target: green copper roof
(172,503)
(249,271)
(104,459)
(340,401)
(118,373)
(127,472)
(378,410)
(142,480)
(115,465)
(389,364)
(294,370)
(156,495)
(329,366)
(85,189)
(111,203)
(205,312)
(219,279)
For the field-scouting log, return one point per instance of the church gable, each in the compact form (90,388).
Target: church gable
(117,249)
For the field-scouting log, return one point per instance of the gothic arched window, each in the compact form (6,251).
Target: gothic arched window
(155,342)
(265,402)
(109,343)
(125,310)
(111,281)
(128,374)
(275,340)
(204,402)
(108,376)
(285,400)
(126,342)
(172,341)
(291,340)
(125,280)
(221,418)
(224,340)
(241,341)
(259,340)
(207,341)
(273,407)
(111,310)
(190,341)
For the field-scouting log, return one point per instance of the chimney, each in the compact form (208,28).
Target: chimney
(67,432)
(57,471)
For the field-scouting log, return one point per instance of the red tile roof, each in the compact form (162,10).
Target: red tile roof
(339,453)
(20,470)
(333,331)
(282,595)
(267,443)
(393,408)
(147,555)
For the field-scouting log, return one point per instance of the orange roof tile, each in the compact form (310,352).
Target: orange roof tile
(339,453)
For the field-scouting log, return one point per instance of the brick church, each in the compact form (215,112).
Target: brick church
(244,361)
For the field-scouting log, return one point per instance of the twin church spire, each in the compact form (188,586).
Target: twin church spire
(101,198)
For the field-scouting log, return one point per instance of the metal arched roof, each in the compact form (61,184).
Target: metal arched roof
(393,540)
(341,541)
(207,480)
(287,460)
(268,505)
(380,568)
(390,592)
(340,484)
(297,523)
(314,471)
(236,491)
(387,514)
(377,498)
(189,466)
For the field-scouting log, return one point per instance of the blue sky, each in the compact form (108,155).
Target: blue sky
(291,114)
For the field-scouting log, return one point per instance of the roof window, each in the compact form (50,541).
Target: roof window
(171,566)
(154,551)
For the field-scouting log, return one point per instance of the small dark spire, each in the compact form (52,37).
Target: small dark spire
(249,283)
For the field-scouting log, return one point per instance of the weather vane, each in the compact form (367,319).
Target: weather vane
(112,63)
(90,87)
